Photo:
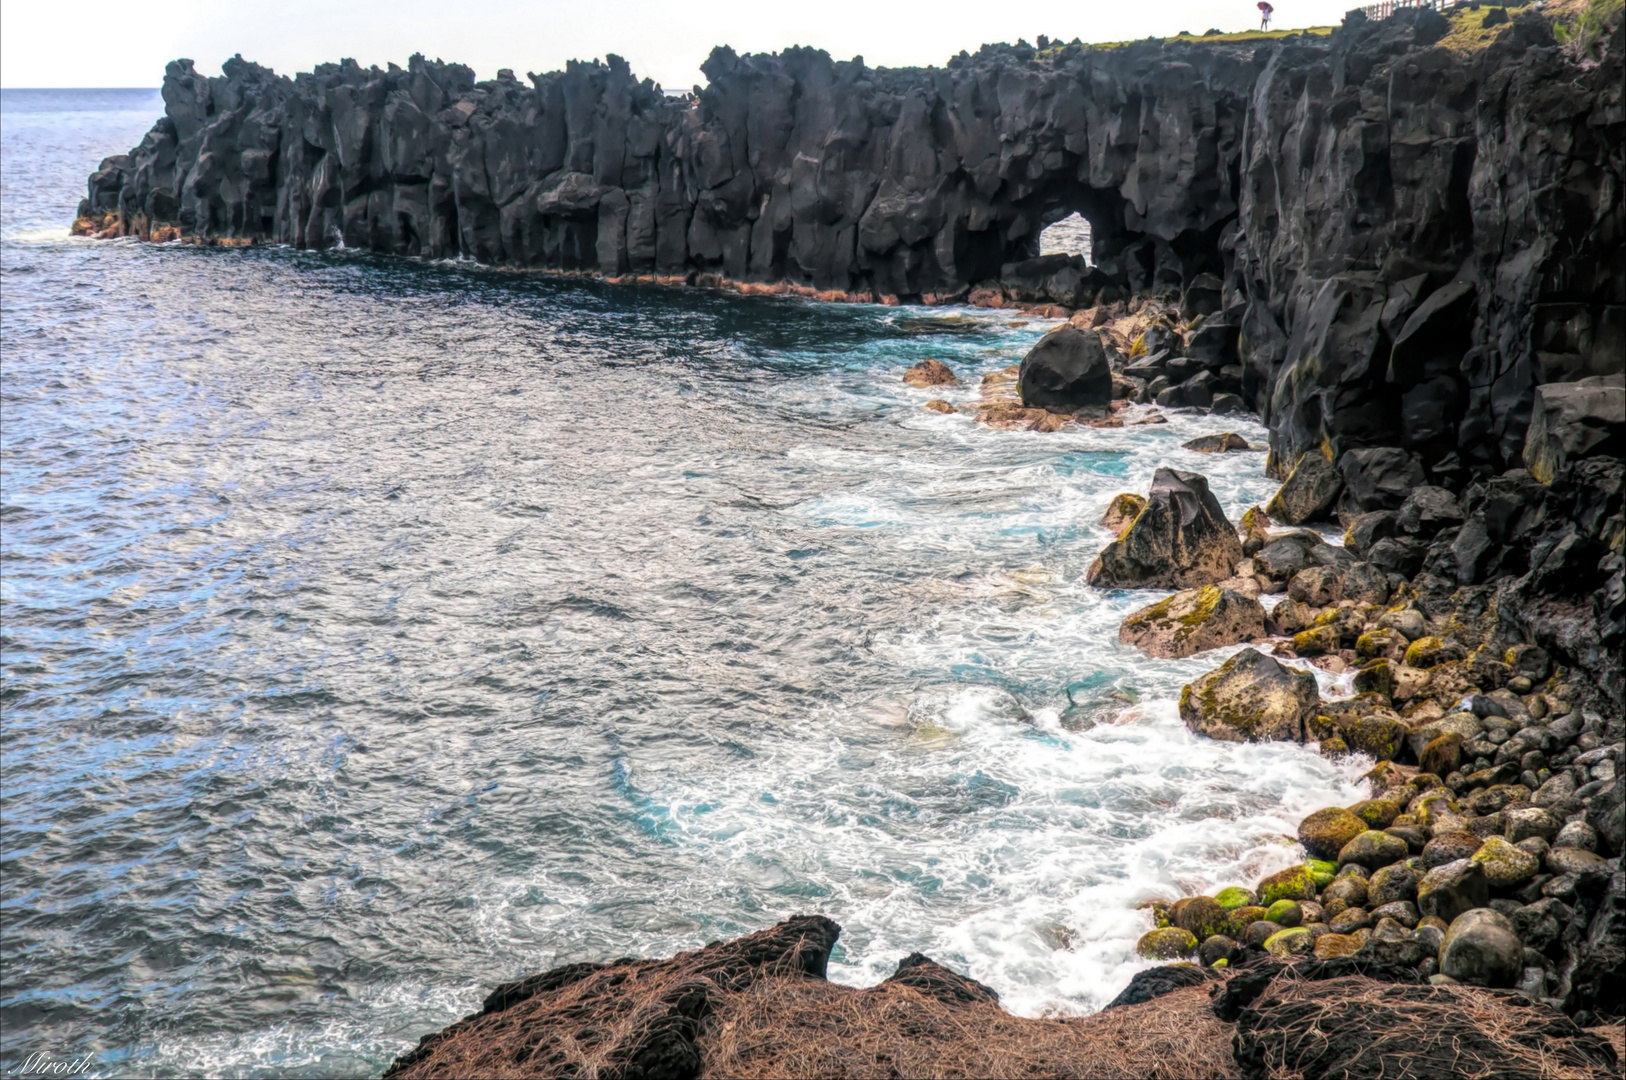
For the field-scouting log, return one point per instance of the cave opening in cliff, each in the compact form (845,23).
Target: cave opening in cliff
(1069,236)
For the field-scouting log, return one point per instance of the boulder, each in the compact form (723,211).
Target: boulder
(1373,849)
(1570,860)
(1574,420)
(1524,822)
(1179,540)
(1325,832)
(1350,890)
(1217,947)
(1294,883)
(1234,897)
(1447,891)
(1167,943)
(1317,586)
(1067,370)
(1505,865)
(1449,847)
(1203,917)
(1367,529)
(1308,493)
(1250,698)
(1294,941)
(1364,583)
(930,373)
(1285,913)
(1377,813)
(1395,882)
(1482,949)
(1193,621)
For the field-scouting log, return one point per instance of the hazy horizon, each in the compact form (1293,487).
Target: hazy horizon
(661,41)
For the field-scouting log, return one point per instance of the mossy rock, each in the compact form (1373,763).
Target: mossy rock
(1168,943)
(1432,651)
(1179,540)
(1322,871)
(1316,641)
(1505,864)
(1193,621)
(1377,813)
(1285,913)
(1294,941)
(1325,832)
(1294,883)
(1376,643)
(1375,677)
(1233,897)
(1250,698)
(1122,511)
(1334,747)
(1321,727)
(1373,850)
(1379,736)
(1244,917)
(1203,917)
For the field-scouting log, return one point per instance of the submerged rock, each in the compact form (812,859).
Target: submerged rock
(1179,540)
(930,373)
(1250,698)
(1193,621)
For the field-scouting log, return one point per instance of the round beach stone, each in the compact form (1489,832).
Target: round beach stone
(1577,834)
(1377,813)
(1285,913)
(1448,891)
(1242,918)
(1449,847)
(1350,920)
(1430,651)
(1325,832)
(1294,883)
(1202,916)
(1329,946)
(1257,933)
(1373,849)
(1294,941)
(1403,912)
(1523,822)
(1482,949)
(1570,860)
(1169,943)
(1395,882)
(1233,897)
(1321,871)
(1429,937)
(1218,948)
(1505,865)
(1350,891)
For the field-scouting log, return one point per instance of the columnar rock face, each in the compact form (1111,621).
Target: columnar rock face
(1396,242)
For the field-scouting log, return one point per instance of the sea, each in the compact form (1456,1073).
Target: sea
(373,631)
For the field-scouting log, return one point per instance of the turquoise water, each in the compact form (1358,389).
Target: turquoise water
(376,631)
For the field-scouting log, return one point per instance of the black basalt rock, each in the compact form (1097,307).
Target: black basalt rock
(1067,370)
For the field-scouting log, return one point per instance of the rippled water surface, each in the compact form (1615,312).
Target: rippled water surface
(375,631)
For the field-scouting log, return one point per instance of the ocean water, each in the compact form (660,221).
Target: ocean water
(375,631)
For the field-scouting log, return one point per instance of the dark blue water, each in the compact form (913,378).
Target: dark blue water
(374,631)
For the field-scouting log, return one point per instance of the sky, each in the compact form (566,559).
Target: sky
(97,43)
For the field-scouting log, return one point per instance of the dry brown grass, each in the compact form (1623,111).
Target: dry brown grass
(1360,1028)
(803,1028)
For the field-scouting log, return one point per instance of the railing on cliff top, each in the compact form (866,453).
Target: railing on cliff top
(1389,7)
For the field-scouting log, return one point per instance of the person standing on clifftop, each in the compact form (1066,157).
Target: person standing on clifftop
(1265,11)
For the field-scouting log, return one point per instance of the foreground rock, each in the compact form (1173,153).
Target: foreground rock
(1193,621)
(1179,540)
(760,1006)
(1066,371)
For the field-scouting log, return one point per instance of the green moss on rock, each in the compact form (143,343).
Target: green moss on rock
(1294,883)
(1234,897)
(1168,943)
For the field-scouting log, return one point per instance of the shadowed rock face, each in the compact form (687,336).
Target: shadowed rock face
(1394,242)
